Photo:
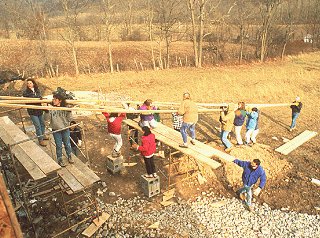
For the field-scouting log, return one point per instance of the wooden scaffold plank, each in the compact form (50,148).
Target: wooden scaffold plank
(296,142)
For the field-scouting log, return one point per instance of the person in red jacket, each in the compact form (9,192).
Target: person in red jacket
(147,149)
(114,121)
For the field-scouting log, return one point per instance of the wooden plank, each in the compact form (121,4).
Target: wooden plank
(85,169)
(296,142)
(200,147)
(9,225)
(299,141)
(79,175)
(172,143)
(33,170)
(70,180)
(292,141)
(39,157)
(96,225)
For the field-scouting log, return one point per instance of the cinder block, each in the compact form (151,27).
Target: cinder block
(114,165)
(150,186)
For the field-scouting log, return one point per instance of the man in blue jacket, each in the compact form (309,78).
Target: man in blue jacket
(252,171)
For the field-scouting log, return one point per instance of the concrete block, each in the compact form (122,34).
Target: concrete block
(150,186)
(114,165)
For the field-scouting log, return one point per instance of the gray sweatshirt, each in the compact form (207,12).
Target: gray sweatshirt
(58,119)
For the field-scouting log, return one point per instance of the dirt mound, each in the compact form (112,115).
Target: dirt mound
(272,164)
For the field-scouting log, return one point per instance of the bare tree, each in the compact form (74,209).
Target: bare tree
(107,18)
(168,16)
(268,9)
(72,10)
(244,13)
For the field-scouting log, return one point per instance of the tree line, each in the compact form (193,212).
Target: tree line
(267,25)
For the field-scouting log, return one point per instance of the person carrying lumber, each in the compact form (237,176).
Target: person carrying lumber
(147,149)
(132,132)
(189,110)
(76,137)
(147,119)
(227,118)
(114,121)
(240,116)
(296,109)
(252,171)
(59,120)
(251,125)
(36,115)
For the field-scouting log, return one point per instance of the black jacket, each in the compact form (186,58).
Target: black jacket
(75,136)
(295,108)
(36,94)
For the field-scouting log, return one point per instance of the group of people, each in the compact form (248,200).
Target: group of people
(235,117)
(65,131)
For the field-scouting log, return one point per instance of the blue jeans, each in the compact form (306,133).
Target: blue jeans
(294,119)
(224,139)
(59,138)
(246,189)
(38,123)
(184,131)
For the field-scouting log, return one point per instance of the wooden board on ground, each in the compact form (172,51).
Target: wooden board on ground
(95,225)
(296,142)
(168,140)
(167,203)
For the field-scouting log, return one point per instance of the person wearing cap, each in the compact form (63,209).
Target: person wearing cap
(296,109)
(189,110)
(147,118)
(227,116)
(252,171)
(59,120)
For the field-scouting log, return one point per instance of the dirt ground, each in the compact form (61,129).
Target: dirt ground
(288,185)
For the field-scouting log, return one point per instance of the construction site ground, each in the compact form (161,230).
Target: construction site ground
(288,176)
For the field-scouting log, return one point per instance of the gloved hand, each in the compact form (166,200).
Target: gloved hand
(79,143)
(257,191)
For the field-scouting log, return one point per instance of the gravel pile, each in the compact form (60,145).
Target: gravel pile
(207,216)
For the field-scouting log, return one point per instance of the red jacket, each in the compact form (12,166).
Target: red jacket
(114,127)
(148,146)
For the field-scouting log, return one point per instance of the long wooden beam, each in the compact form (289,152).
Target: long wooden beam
(77,101)
(102,109)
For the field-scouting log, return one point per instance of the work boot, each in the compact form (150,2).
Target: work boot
(242,196)
(42,143)
(70,159)
(183,145)
(115,154)
(228,149)
(61,163)
(250,208)
(45,137)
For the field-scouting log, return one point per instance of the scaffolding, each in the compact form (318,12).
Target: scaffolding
(47,181)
